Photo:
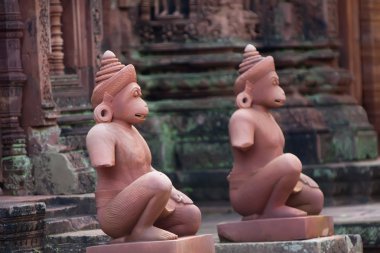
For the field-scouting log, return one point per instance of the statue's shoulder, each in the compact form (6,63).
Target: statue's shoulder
(101,130)
(243,115)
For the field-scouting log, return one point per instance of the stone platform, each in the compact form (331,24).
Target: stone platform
(331,244)
(190,244)
(279,229)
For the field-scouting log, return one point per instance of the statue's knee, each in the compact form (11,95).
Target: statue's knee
(293,164)
(159,182)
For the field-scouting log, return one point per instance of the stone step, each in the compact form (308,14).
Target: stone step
(21,226)
(348,183)
(75,242)
(71,205)
(53,211)
(70,224)
(358,219)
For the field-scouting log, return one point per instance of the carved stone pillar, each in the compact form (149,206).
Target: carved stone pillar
(14,162)
(370,25)
(56,57)
(55,140)
(39,107)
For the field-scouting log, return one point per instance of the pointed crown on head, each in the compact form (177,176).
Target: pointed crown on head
(253,68)
(111,78)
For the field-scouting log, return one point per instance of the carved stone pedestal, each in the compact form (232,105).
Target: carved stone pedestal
(191,244)
(281,229)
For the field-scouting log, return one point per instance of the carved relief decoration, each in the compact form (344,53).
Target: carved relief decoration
(179,21)
(295,20)
(56,57)
(96,16)
(15,169)
(44,40)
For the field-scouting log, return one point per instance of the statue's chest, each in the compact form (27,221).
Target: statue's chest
(268,133)
(133,149)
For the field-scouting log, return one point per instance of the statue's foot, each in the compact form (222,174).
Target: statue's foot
(250,217)
(149,234)
(282,212)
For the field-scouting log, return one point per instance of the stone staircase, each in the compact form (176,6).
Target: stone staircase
(71,225)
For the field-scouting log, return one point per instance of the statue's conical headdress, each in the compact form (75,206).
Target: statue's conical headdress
(253,67)
(112,77)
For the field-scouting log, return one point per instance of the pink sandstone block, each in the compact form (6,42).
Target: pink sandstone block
(190,244)
(279,229)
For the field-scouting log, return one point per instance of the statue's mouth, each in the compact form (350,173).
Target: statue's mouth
(279,101)
(140,116)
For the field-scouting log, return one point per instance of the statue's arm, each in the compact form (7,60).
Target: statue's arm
(241,130)
(101,147)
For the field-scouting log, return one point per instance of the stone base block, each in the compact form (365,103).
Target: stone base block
(331,244)
(190,244)
(279,229)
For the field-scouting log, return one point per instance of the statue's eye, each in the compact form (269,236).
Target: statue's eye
(275,81)
(136,93)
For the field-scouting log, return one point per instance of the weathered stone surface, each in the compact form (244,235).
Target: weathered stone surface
(332,244)
(278,229)
(58,169)
(55,173)
(188,244)
(17,172)
(358,219)
(15,168)
(66,223)
(75,242)
(21,226)
(344,183)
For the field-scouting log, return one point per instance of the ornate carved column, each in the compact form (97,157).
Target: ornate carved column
(14,162)
(55,140)
(56,57)
(39,107)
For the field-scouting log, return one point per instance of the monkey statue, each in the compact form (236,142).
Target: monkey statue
(134,201)
(264,182)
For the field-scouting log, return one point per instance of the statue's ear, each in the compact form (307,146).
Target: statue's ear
(103,112)
(107,98)
(244,98)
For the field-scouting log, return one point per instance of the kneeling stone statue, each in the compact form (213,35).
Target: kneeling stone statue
(266,185)
(135,202)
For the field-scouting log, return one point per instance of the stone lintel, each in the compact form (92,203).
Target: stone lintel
(331,244)
(279,229)
(190,244)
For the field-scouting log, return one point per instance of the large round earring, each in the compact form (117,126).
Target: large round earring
(103,113)
(243,100)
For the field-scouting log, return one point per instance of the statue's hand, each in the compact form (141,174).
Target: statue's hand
(176,197)
(180,197)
